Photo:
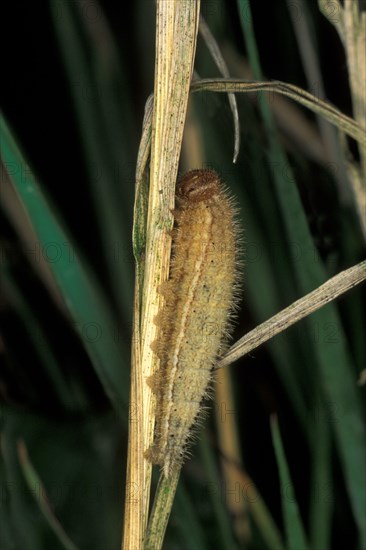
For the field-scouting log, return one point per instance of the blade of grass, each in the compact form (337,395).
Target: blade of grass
(25,530)
(321,503)
(220,62)
(264,521)
(321,296)
(326,110)
(161,510)
(82,297)
(33,480)
(349,18)
(228,440)
(309,58)
(133,514)
(296,539)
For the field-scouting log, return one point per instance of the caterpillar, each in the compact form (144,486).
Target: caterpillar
(200,298)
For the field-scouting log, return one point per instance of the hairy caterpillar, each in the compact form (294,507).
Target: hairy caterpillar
(199,301)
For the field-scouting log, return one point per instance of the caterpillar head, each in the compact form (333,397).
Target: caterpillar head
(198,185)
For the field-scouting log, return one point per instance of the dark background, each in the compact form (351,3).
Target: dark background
(37,101)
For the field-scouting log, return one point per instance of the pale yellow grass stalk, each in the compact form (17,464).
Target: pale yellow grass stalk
(176,36)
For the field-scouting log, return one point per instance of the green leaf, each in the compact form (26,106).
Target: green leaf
(296,539)
(321,498)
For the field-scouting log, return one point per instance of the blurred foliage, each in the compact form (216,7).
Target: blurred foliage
(74,98)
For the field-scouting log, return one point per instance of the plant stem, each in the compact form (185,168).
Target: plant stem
(160,513)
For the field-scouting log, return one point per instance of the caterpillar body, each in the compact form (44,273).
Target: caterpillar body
(200,298)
